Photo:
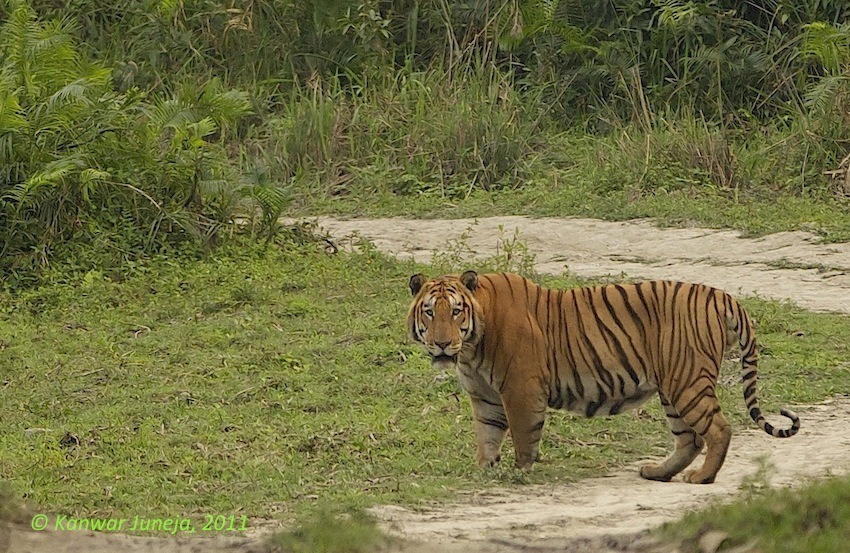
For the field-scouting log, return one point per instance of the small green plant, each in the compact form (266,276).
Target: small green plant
(354,531)
(456,253)
(512,255)
(757,483)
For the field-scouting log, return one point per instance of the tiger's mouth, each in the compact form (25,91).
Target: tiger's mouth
(443,359)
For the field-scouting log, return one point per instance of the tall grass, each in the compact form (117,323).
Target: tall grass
(685,152)
(199,112)
(407,132)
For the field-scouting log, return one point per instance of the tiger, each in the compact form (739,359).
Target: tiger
(518,349)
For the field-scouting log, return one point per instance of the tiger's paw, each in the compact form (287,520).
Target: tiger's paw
(651,471)
(526,462)
(695,476)
(484,463)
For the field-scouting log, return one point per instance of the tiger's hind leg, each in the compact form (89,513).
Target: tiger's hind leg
(526,416)
(688,446)
(701,411)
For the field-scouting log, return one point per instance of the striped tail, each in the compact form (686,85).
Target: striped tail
(738,319)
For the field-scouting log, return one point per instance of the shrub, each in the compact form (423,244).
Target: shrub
(81,160)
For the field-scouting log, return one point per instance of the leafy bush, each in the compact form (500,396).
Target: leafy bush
(79,160)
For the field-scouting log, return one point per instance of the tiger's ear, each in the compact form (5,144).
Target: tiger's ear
(470,280)
(416,282)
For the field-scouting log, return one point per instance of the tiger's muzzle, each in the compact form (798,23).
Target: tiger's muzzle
(443,355)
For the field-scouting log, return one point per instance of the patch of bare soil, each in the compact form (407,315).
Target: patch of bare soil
(599,515)
(787,266)
(18,537)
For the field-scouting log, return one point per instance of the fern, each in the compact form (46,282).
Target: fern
(827,44)
(263,193)
(13,123)
(559,19)
(225,106)
(169,114)
(52,174)
(77,157)
(822,97)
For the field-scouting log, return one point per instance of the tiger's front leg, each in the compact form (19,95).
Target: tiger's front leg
(490,428)
(491,424)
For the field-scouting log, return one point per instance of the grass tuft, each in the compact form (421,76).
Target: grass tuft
(326,532)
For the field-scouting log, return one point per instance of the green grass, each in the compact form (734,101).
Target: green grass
(813,518)
(271,381)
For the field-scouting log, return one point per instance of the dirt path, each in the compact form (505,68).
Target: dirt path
(787,265)
(597,515)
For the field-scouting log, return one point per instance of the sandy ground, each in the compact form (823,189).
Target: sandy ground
(597,515)
(787,265)
(20,538)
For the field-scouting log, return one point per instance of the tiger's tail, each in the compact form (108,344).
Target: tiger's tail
(740,325)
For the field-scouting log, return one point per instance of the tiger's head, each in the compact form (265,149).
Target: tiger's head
(444,316)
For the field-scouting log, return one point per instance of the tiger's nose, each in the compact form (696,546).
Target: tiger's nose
(442,345)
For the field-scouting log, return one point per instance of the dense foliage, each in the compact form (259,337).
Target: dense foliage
(714,56)
(140,124)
